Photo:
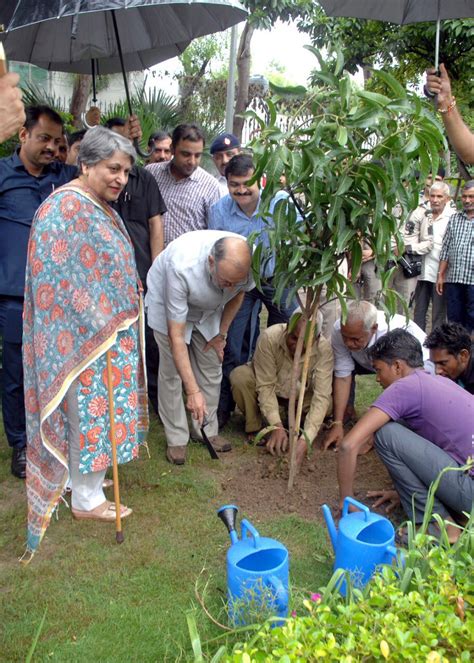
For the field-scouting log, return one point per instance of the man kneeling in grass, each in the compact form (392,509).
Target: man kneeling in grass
(422,424)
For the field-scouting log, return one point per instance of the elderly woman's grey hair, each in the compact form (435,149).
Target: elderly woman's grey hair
(361,311)
(295,318)
(100,143)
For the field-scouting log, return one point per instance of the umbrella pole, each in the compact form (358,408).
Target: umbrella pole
(94,93)
(110,390)
(438,29)
(136,145)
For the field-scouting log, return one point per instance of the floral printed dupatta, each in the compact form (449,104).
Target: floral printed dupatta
(81,291)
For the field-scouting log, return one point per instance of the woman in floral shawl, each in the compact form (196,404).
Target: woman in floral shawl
(82,298)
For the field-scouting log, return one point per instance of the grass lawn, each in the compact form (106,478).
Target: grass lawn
(107,602)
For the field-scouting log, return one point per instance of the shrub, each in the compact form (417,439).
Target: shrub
(420,610)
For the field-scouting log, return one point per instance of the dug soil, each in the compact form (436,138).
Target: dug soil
(258,482)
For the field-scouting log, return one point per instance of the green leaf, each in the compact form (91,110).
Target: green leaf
(31,651)
(374,97)
(345,185)
(391,82)
(194,635)
(412,144)
(341,135)
(288,91)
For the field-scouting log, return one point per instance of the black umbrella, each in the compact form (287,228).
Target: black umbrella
(402,11)
(93,36)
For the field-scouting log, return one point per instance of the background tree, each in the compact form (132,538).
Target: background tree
(349,157)
(404,51)
(262,15)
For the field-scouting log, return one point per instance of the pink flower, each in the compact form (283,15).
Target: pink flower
(60,251)
(116,278)
(40,343)
(97,406)
(315,597)
(80,300)
(127,344)
(293,613)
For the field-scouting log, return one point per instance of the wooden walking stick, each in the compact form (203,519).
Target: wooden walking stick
(110,389)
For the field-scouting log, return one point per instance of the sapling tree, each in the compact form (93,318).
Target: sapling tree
(349,158)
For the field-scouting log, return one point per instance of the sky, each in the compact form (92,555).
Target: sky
(283,44)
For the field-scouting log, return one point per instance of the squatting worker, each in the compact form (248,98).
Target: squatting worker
(261,388)
(195,287)
(82,298)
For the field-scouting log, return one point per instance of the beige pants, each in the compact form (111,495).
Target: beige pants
(207,370)
(244,391)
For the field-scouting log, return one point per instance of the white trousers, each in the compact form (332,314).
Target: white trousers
(87,492)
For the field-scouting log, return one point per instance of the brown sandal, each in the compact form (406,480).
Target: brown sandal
(105,512)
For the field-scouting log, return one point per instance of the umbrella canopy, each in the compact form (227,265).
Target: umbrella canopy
(402,11)
(66,35)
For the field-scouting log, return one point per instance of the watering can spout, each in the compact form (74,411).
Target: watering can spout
(228,515)
(330,525)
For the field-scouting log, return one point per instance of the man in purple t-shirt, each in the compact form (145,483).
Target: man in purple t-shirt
(437,431)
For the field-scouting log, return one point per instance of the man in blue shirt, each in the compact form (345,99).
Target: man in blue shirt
(238,212)
(27,178)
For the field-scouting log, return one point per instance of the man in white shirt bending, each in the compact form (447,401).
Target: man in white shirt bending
(351,342)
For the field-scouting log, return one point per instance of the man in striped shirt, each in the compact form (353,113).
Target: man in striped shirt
(456,263)
(187,189)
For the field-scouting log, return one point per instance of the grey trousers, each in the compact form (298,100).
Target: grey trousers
(405,287)
(424,293)
(371,283)
(414,463)
(207,370)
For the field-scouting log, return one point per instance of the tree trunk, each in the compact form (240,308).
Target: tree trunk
(80,94)
(188,87)
(243,77)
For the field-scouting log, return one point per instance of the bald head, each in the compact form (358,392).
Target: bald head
(230,261)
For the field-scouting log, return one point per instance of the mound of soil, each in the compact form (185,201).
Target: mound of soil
(257,482)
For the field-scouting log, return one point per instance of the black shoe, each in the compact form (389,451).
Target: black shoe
(222,418)
(19,463)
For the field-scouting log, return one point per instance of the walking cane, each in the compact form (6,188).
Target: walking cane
(110,389)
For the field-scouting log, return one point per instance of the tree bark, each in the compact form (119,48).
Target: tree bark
(243,78)
(80,94)
(189,86)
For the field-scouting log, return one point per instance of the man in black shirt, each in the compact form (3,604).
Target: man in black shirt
(141,206)
(452,352)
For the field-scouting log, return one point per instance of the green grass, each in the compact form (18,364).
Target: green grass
(109,602)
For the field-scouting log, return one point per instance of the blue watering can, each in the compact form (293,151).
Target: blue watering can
(257,572)
(364,541)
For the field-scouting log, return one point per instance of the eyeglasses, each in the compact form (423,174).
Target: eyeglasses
(224,283)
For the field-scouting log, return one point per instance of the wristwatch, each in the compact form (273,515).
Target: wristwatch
(223,335)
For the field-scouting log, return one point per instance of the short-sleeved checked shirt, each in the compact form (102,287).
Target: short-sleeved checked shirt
(187,201)
(458,249)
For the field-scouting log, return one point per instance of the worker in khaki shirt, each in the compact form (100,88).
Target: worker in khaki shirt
(261,388)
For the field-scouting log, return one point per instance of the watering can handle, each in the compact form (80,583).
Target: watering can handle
(395,553)
(246,526)
(359,505)
(279,592)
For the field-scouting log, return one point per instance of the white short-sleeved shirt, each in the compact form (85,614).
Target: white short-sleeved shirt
(180,288)
(345,360)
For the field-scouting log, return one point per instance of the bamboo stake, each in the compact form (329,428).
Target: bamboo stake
(312,306)
(110,389)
